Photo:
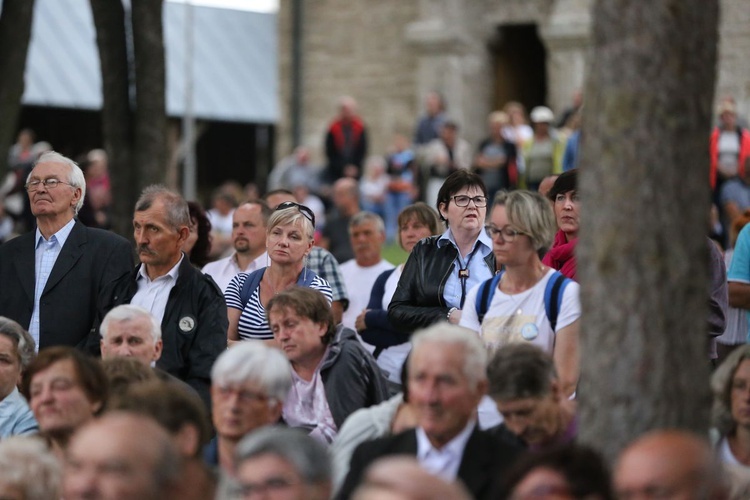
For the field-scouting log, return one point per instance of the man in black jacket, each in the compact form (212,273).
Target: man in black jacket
(447,379)
(188,304)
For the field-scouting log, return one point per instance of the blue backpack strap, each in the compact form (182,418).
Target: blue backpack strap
(306,277)
(484,295)
(251,283)
(553,294)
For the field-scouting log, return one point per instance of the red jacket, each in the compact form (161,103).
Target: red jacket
(713,147)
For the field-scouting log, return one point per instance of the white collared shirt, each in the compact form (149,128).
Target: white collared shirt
(46,253)
(474,262)
(223,270)
(153,295)
(445,462)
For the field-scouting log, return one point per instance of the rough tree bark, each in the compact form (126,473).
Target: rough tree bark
(15,32)
(150,152)
(643,252)
(117,121)
(135,132)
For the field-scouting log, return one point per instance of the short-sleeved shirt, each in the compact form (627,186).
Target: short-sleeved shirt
(521,317)
(739,269)
(322,262)
(253,322)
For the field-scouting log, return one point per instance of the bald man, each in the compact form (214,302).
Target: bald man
(669,464)
(401,477)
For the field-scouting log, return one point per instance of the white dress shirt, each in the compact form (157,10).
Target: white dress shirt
(153,295)
(445,462)
(223,270)
(46,253)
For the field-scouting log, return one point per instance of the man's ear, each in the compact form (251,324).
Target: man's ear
(158,346)
(184,232)
(187,439)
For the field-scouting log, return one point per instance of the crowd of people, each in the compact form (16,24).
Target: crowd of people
(265,348)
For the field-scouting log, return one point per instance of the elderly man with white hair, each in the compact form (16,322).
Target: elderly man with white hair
(131,331)
(447,379)
(51,277)
(249,383)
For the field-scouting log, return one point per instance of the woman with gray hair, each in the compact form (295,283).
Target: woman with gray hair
(17,349)
(289,239)
(29,470)
(730,384)
(282,463)
(526,301)
(249,384)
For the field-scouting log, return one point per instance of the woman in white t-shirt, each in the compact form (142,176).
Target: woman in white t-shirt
(731,410)
(522,227)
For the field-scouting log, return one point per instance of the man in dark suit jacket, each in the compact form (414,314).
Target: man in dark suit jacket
(51,277)
(447,379)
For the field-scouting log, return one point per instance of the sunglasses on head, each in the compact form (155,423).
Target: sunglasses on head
(302,209)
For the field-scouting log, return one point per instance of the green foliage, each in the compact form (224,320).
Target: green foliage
(394,254)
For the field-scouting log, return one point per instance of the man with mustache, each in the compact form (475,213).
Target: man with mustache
(52,275)
(187,303)
(249,223)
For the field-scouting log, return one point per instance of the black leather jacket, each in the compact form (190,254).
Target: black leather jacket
(418,301)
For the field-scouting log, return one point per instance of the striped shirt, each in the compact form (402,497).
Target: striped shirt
(253,322)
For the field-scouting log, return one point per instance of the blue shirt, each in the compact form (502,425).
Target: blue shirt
(16,417)
(47,252)
(739,269)
(478,269)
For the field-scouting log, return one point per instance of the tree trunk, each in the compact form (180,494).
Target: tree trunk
(150,152)
(117,121)
(15,32)
(643,250)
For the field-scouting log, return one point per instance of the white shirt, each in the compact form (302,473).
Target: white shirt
(445,462)
(153,295)
(46,253)
(223,270)
(359,281)
(521,317)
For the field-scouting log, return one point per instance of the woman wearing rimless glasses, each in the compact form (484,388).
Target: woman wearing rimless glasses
(516,309)
(441,269)
(289,238)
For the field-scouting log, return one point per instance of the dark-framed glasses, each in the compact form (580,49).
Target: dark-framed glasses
(462,200)
(302,209)
(508,233)
(47,183)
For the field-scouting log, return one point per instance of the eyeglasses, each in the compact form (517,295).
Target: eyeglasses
(47,183)
(302,209)
(463,201)
(508,233)
(271,485)
(243,395)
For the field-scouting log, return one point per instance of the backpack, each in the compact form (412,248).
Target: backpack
(553,294)
(252,282)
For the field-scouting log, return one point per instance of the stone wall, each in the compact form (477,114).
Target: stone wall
(389,53)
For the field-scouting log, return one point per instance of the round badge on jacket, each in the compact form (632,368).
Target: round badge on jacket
(186,324)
